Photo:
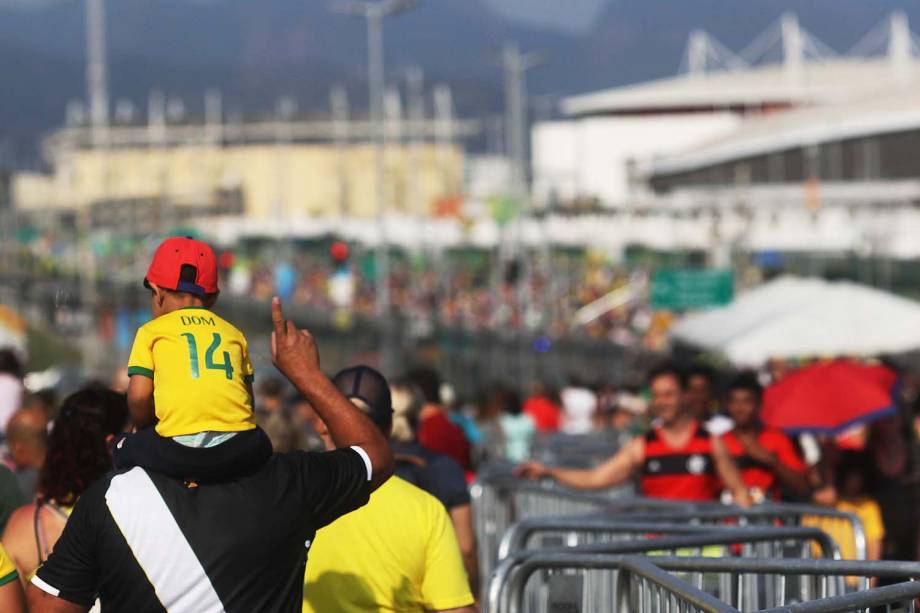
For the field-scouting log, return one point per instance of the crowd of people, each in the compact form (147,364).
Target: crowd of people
(186,484)
(475,293)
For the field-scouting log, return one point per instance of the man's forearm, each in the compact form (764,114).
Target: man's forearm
(347,425)
(584,479)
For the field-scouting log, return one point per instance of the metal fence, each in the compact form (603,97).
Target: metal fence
(678,584)
(509,582)
(579,531)
(499,500)
(838,523)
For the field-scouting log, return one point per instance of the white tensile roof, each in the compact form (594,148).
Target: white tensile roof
(816,83)
(796,317)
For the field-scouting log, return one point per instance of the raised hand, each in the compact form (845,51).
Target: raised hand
(293,351)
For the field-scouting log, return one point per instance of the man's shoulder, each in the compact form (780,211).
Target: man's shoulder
(406,497)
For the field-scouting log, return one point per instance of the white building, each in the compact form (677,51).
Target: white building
(614,141)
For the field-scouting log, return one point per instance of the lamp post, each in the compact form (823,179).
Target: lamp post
(374,13)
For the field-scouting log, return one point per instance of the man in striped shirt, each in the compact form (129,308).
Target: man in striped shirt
(141,541)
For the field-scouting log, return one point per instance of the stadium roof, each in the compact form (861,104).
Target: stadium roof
(895,111)
(767,85)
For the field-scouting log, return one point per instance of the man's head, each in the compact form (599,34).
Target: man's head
(271,394)
(667,385)
(44,401)
(369,391)
(183,273)
(27,438)
(700,384)
(428,381)
(742,400)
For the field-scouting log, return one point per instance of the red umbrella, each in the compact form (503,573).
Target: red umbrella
(829,397)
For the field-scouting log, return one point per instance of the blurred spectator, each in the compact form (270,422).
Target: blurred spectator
(578,406)
(273,417)
(701,398)
(542,409)
(767,459)
(517,427)
(44,401)
(852,491)
(304,418)
(27,440)
(11,497)
(436,473)
(78,455)
(435,430)
(457,416)
(11,388)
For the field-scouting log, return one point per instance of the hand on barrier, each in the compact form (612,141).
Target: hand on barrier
(532,470)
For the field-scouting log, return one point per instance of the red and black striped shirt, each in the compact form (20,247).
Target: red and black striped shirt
(684,473)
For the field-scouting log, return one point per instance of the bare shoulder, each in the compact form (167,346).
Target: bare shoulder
(20,518)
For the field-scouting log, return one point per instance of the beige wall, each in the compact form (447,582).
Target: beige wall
(294,180)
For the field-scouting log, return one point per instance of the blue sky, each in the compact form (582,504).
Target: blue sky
(571,15)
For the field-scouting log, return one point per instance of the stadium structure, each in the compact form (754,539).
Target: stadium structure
(785,146)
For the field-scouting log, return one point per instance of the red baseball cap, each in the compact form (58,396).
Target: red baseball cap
(174,253)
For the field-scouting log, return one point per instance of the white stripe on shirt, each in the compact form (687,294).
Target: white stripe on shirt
(367,461)
(159,546)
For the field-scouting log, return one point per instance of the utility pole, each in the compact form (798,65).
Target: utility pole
(96,72)
(98,95)
(338,101)
(374,13)
(515,65)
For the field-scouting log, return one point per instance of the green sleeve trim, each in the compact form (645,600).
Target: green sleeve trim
(9,578)
(248,378)
(140,370)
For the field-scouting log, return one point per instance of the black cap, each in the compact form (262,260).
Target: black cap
(365,383)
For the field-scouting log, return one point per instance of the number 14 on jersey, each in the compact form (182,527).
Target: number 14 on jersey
(209,362)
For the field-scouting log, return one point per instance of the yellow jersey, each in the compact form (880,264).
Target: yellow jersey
(397,553)
(8,570)
(201,372)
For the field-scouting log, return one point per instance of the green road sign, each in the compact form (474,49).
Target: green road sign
(678,289)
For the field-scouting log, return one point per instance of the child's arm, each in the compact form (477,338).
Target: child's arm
(140,401)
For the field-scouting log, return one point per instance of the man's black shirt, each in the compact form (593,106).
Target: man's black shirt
(141,541)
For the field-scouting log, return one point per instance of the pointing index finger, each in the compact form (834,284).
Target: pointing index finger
(278,317)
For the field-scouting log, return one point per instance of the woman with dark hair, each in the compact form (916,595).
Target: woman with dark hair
(78,454)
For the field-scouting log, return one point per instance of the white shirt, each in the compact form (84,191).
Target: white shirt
(578,405)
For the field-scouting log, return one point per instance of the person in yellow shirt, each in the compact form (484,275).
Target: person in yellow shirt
(851,484)
(850,493)
(190,373)
(397,553)
(12,599)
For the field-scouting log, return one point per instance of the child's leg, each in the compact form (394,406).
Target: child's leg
(243,453)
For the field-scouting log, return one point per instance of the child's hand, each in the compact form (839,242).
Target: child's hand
(293,351)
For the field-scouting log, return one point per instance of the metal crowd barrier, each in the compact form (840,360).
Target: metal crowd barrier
(753,584)
(500,500)
(550,532)
(505,584)
(783,514)
(648,585)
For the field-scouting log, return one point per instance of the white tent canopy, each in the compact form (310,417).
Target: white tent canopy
(794,317)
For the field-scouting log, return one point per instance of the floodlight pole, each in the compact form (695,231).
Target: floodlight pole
(374,13)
